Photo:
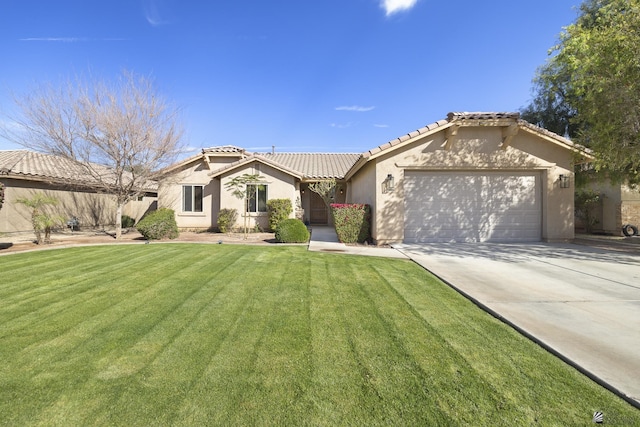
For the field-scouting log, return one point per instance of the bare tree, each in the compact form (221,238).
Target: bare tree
(119,134)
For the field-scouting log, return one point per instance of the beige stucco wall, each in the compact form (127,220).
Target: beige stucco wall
(630,208)
(93,210)
(362,190)
(619,205)
(170,196)
(473,148)
(280,185)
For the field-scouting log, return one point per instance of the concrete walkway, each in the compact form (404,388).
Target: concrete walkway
(580,302)
(325,239)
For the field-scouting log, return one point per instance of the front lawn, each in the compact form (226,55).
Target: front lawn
(194,334)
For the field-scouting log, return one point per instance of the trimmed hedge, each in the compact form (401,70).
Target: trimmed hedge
(351,222)
(279,210)
(227,219)
(292,231)
(159,224)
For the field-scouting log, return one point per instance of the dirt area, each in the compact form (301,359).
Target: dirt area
(25,241)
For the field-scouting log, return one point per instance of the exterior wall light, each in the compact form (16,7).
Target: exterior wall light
(388,184)
(565,181)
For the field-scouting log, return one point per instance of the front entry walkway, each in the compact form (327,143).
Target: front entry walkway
(325,239)
(581,302)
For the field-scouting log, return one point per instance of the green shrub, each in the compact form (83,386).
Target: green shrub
(351,222)
(227,219)
(279,210)
(127,221)
(160,224)
(292,231)
(586,202)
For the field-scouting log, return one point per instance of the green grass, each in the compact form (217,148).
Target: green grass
(188,334)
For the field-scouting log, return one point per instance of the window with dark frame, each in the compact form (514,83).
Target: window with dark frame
(192,196)
(256,198)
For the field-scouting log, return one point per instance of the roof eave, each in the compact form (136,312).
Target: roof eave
(250,159)
(397,143)
(556,139)
(172,168)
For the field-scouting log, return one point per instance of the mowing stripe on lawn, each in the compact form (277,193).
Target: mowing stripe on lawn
(61,280)
(231,373)
(479,340)
(238,335)
(148,345)
(70,297)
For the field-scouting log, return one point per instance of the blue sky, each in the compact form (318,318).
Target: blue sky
(303,75)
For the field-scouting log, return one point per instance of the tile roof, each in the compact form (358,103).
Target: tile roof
(37,165)
(310,166)
(424,130)
(316,165)
(492,118)
(252,158)
(224,149)
(482,116)
(46,167)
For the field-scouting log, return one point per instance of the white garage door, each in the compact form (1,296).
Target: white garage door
(471,207)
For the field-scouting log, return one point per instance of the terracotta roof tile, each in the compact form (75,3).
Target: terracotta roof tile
(224,149)
(482,116)
(38,165)
(316,165)
(252,158)
(46,167)
(440,123)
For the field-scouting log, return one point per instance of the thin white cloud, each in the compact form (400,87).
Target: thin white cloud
(70,39)
(380,126)
(153,14)
(341,126)
(356,108)
(394,6)
(54,39)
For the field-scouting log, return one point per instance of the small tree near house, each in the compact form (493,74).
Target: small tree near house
(326,189)
(41,220)
(239,187)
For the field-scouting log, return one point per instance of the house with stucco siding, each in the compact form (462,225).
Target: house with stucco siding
(617,207)
(472,177)
(25,173)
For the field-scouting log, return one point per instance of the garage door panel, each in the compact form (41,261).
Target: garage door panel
(471,207)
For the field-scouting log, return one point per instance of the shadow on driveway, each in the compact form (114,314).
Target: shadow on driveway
(581,303)
(517,252)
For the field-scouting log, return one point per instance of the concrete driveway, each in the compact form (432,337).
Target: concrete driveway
(582,302)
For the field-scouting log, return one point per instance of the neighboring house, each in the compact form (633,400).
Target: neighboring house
(474,177)
(619,205)
(25,173)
